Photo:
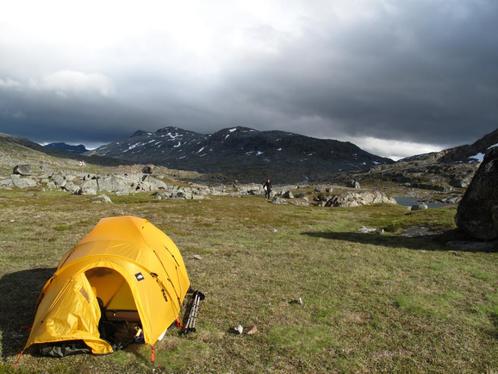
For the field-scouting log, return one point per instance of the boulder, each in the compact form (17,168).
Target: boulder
(420,206)
(23,182)
(72,188)
(59,180)
(287,195)
(279,201)
(148,169)
(89,187)
(161,195)
(115,184)
(6,183)
(24,170)
(477,213)
(354,199)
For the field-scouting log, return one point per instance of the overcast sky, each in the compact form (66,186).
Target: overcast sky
(395,77)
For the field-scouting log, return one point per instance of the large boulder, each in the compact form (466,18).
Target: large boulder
(59,180)
(89,187)
(353,199)
(23,182)
(24,170)
(477,213)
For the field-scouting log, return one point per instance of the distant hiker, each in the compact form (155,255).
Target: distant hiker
(267,188)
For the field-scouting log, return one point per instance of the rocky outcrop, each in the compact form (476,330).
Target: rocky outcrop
(477,213)
(353,199)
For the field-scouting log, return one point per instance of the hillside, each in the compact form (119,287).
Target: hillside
(44,162)
(242,153)
(449,169)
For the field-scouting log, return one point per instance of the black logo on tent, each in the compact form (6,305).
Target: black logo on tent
(139,277)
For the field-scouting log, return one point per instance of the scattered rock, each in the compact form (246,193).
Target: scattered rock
(239,330)
(298,301)
(102,199)
(287,195)
(420,206)
(366,230)
(279,201)
(24,170)
(59,180)
(251,330)
(477,213)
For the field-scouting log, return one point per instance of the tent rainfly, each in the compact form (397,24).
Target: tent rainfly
(125,268)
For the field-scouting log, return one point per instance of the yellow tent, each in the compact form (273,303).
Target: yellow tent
(131,266)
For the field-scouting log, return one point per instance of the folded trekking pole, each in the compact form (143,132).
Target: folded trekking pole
(193,312)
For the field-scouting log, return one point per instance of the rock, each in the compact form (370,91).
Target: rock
(477,213)
(451,200)
(288,195)
(461,182)
(117,184)
(239,330)
(72,188)
(148,169)
(298,301)
(299,202)
(421,206)
(59,180)
(102,199)
(354,199)
(6,183)
(366,230)
(89,187)
(22,182)
(24,170)
(279,201)
(161,195)
(251,330)
(197,257)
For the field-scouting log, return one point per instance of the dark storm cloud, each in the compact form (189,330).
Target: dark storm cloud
(415,71)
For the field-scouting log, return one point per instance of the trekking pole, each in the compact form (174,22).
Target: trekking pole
(197,297)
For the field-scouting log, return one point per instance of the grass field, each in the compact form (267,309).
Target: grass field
(372,303)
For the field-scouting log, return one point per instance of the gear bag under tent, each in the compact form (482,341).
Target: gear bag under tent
(128,266)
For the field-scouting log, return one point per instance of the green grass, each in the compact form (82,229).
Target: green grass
(371,302)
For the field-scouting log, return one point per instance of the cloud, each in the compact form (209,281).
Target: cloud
(413,75)
(394,149)
(66,82)
(9,83)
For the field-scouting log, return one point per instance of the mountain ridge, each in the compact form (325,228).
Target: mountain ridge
(241,152)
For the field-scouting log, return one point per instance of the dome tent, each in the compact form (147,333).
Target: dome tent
(127,265)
